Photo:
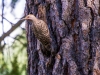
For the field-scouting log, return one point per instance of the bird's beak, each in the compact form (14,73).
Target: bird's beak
(24,18)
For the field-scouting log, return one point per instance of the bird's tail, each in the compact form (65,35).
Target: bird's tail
(46,50)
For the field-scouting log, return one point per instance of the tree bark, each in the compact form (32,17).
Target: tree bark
(75,30)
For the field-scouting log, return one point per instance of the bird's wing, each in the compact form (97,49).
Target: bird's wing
(44,28)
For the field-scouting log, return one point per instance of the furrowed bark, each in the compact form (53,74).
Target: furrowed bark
(75,30)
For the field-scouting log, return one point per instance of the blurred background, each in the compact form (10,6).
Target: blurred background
(13,55)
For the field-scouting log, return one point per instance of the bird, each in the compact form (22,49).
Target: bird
(40,30)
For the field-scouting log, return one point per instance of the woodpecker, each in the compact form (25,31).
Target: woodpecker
(40,30)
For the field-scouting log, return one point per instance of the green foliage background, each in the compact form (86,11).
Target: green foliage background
(13,56)
(14,61)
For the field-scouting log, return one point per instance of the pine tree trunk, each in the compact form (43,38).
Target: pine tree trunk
(75,32)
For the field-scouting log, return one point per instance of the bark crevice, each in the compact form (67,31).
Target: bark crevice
(92,41)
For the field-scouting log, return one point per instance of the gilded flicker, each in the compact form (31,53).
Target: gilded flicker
(40,29)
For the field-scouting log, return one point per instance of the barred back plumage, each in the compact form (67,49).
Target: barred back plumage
(41,31)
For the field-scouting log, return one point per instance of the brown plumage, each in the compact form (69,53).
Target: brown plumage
(40,29)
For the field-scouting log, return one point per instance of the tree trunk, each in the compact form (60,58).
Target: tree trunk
(75,30)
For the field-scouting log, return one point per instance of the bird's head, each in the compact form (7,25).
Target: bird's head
(30,17)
